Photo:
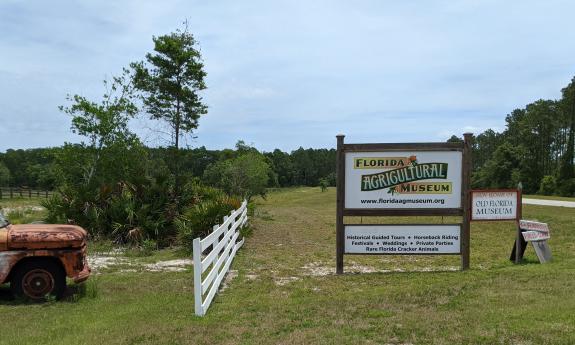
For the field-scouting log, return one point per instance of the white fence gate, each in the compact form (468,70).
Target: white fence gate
(224,247)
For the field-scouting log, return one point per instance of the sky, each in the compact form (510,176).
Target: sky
(285,74)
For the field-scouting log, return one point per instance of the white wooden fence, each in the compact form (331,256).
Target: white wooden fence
(224,245)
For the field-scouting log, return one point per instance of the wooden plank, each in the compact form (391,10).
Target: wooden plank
(465,202)
(240,243)
(403,147)
(211,238)
(236,220)
(520,243)
(340,198)
(216,267)
(211,256)
(214,236)
(214,271)
(215,251)
(216,284)
(542,250)
(197,258)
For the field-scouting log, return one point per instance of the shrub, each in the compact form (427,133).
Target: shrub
(548,185)
(567,187)
(123,212)
(199,219)
(244,176)
(323,184)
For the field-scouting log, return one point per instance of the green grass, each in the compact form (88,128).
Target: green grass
(548,197)
(20,202)
(286,292)
(23,210)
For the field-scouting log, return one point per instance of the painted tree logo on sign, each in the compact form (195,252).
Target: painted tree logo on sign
(403,179)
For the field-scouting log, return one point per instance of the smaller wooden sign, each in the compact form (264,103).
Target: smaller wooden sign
(495,204)
(537,234)
(531,236)
(529,225)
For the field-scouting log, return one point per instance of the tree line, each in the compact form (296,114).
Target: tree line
(535,149)
(37,168)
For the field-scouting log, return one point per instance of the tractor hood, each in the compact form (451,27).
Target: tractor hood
(42,236)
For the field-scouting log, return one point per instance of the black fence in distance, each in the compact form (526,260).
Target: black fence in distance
(17,192)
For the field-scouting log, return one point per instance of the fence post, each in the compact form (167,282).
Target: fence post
(197,254)
(225,233)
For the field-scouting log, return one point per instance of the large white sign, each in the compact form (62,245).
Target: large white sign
(494,205)
(403,179)
(402,239)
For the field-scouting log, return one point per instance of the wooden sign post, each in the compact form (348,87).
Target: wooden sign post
(417,179)
(519,241)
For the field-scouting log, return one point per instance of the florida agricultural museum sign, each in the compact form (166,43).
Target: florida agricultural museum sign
(403,179)
(417,179)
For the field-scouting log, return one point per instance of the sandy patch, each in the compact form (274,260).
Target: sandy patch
(7,210)
(228,278)
(100,262)
(178,265)
(281,281)
(319,269)
(252,276)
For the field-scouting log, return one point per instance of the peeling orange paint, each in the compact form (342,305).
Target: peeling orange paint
(66,243)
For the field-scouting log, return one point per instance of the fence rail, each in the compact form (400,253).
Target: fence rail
(19,192)
(224,245)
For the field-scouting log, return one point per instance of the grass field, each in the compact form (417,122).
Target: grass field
(286,292)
